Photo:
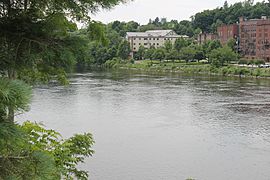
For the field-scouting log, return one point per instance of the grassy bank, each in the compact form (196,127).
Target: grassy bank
(190,68)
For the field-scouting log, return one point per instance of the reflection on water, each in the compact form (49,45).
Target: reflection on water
(164,126)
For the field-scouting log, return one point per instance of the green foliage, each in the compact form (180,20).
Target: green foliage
(223,55)
(96,32)
(14,95)
(180,43)
(112,63)
(232,44)
(123,49)
(251,61)
(208,20)
(30,151)
(168,46)
(172,55)
(188,53)
(140,54)
(149,53)
(39,41)
(159,54)
(35,35)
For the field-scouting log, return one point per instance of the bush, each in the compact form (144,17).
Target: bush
(259,61)
(243,61)
(112,63)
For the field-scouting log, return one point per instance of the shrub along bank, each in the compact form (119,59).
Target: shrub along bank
(188,68)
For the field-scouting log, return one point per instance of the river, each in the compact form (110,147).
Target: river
(163,127)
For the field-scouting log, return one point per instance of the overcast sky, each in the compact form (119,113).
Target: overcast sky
(142,10)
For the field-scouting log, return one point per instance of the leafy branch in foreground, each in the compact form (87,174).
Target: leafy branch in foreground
(29,151)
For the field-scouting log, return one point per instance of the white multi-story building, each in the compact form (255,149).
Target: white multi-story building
(153,38)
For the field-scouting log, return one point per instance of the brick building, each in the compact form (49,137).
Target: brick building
(254,38)
(263,39)
(204,37)
(248,36)
(227,32)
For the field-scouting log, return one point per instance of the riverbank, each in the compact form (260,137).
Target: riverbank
(190,68)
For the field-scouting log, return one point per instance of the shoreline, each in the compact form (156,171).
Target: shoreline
(195,69)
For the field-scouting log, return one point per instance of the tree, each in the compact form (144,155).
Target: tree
(33,32)
(172,55)
(225,6)
(168,46)
(149,53)
(199,53)
(223,55)
(159,54)
(232,44)
(29,151)
(123,50)
(140,54)
(33,36)
(210,46)
(180,43)
(187,54)
(156,21)
(37,39)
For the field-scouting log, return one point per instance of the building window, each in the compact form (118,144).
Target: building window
(145,38)
(157,44)
(134,44)
(149,38)
(134,48)
(139,38)
(139,43)
(154,43)
(134,38)
(154,38)
(157,38)
(145,44)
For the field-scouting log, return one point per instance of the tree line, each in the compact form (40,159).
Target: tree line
(206,21)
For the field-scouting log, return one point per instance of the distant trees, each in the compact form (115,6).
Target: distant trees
(140,54)
(188,53)
(180,43)
(103,48)
(123,50)
(168,46)
(159,54)
(208,20)
(172,55)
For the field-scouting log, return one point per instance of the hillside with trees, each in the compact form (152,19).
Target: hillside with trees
(97,52)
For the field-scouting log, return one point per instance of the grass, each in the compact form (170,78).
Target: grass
(189,68)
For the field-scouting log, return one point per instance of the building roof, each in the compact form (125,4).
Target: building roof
(154,33)
(159,32)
